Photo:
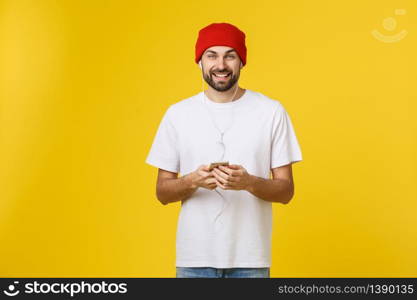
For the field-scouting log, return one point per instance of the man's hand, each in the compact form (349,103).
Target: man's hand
(202,177)
(232,177)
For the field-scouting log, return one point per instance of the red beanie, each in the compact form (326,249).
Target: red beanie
(221,34)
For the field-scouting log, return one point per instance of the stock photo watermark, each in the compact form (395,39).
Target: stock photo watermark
(390,25)
(71,289)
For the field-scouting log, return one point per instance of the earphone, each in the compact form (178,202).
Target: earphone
(225,201)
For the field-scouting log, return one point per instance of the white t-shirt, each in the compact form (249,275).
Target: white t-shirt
(225,228)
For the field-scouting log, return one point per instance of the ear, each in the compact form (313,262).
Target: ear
(199,64)
(241,64)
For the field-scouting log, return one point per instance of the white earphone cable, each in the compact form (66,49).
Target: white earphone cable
(225,201)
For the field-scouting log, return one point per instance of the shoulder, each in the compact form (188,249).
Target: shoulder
(267,102)
(183,106)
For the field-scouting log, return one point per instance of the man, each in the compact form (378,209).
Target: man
(225,223)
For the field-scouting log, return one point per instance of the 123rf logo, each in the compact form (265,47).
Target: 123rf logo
(66,288)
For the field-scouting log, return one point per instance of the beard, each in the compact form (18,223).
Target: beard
(221,86)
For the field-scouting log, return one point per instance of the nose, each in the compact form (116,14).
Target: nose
(220,64)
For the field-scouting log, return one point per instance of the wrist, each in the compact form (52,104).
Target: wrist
(250,183)
(190,180)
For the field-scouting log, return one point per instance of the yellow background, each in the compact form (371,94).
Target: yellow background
(84,85)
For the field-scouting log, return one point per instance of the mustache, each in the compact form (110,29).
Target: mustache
(221,71)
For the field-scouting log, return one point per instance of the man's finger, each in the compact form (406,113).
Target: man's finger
(220,177)
(220,173)
(212,180)
(221,185)
(224,175)
(212,185)
(227,170)
(204,167)
(204,173)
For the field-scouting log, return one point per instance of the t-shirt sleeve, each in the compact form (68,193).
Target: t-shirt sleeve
(285,148)
(164,150)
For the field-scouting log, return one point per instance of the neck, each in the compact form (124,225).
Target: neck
(227,96)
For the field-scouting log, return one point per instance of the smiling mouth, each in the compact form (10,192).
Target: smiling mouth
(222,76)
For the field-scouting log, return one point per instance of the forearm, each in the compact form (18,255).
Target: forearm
(173,190)
(271,190)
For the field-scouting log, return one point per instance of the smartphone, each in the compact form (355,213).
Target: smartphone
(216,164)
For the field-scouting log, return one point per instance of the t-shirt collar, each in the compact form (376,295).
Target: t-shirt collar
(204,99)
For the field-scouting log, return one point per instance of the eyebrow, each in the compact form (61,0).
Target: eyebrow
(231,50)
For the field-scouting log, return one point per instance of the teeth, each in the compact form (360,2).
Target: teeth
(221,75)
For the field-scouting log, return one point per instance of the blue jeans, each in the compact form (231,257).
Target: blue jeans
(206,272)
